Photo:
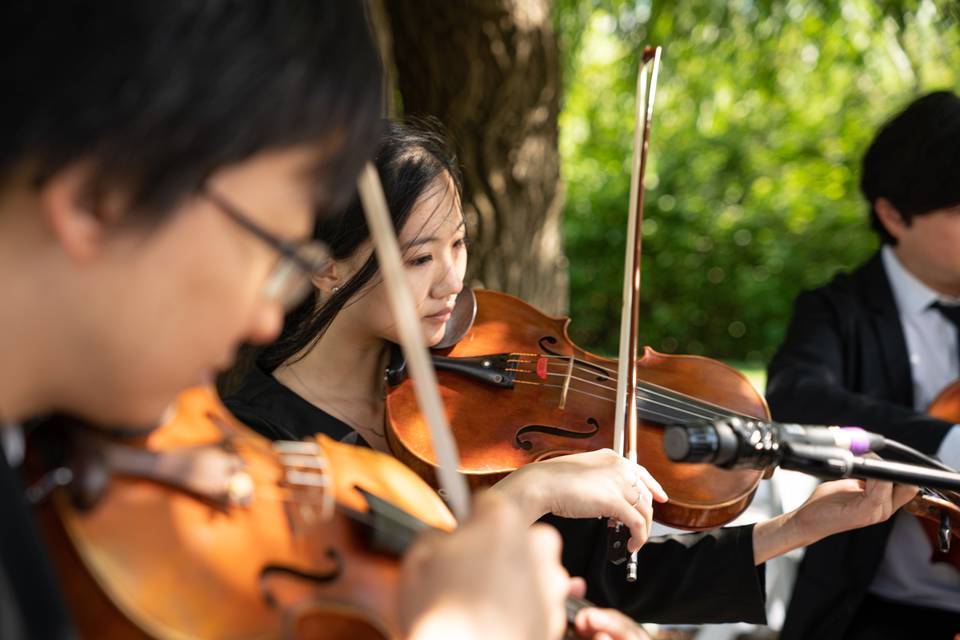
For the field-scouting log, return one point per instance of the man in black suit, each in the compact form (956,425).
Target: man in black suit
(873,348)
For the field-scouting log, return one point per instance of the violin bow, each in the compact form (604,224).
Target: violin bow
(453,486)
(625,427)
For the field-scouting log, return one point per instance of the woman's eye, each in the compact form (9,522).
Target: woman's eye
(419,261)
(461,242)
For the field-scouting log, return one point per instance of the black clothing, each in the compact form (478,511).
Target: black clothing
(30,602)
(690,578)
(879,619)
(273,410)
(844,361)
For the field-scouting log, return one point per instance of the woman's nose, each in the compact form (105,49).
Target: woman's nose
(451,283)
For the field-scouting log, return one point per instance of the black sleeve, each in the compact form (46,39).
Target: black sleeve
(694,578)
(809,382)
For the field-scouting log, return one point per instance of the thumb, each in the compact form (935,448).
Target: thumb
(902,494)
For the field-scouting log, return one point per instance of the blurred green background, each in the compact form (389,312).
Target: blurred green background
(763,112)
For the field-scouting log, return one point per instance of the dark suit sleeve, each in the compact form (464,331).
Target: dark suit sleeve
(693,578)
(811,377)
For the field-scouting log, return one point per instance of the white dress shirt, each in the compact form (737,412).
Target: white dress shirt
(11,443)
(906,573)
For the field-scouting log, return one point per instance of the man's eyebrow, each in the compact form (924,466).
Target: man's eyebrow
(427,239)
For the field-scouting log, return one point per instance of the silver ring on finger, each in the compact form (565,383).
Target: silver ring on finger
(636,503)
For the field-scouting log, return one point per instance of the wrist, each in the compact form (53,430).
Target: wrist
(779,535)
(523,488)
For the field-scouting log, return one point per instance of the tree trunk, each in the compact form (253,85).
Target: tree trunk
(489,70)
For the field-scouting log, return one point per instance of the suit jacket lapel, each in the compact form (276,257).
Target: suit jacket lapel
(886,321)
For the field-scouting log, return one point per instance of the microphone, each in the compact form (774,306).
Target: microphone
(738,442)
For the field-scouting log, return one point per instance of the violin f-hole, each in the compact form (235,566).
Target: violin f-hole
(316,577)
(520,441)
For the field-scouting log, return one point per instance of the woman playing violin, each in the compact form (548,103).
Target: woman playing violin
(325,374)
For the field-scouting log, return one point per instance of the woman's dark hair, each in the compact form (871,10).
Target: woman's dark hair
(410,159)
(160,95)
(914,162)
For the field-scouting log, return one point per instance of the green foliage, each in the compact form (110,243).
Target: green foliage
(764,109)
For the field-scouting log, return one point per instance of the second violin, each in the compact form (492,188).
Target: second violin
(516,389)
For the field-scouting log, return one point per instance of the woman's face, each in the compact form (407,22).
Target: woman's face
(433,246)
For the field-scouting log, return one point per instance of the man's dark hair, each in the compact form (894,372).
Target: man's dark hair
(158,95)
(914,162)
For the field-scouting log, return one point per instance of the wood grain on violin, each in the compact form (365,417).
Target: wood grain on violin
(517,390)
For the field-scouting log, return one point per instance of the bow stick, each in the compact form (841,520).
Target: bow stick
(453,485)
(625,427)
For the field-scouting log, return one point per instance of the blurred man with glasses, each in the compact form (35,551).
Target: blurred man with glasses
(161,167)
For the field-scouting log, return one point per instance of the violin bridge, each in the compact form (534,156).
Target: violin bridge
(566,383)
(306,475)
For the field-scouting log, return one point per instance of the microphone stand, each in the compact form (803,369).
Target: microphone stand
(832,462)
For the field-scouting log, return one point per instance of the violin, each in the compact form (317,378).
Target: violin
(516,390)
(204,529)
(938,511)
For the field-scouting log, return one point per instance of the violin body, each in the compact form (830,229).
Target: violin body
(557,406)
(225,535)
(931,510)
(946,405)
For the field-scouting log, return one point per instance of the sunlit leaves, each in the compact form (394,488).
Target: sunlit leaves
(763,112)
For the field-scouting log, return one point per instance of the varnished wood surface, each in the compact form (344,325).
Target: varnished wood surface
(485,418)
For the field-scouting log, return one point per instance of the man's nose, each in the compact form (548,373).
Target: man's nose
(266,323)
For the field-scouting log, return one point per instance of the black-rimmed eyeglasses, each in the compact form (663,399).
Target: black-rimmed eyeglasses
(292,276)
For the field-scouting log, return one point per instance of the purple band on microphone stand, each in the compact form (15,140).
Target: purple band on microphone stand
(859,440)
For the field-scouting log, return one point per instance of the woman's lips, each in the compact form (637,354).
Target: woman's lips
(443,316)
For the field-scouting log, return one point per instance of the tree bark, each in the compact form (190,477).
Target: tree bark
(489,71)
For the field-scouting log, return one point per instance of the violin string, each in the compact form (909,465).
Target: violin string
(643,400)
(643,406)
(651,388)
(280,491)
(673,399)
(651,414)
(680,400)
(655,388)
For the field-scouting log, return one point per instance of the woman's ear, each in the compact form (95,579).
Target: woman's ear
(329,279)
(73,217)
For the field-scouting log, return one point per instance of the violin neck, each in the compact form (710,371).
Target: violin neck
(391,530)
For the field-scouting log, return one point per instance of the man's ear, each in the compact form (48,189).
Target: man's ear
(890,217)
(79,222)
